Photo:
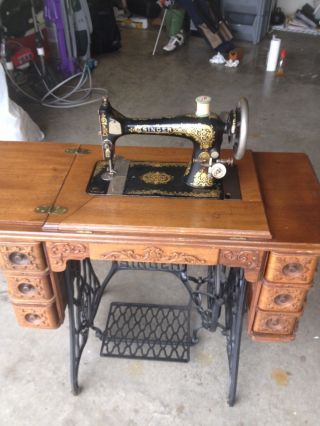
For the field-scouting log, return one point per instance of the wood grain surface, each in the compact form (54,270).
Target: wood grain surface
(179,216)
(291,195)
(31,174)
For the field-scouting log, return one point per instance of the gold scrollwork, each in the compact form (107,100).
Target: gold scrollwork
(188,168)
(104,124)
(152,164)
(156,178)
(204,156)
(202,179)
(214,193)
(203,134)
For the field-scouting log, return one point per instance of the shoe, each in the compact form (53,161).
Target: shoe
(174,42)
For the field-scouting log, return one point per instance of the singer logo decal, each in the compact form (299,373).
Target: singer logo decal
(203,134)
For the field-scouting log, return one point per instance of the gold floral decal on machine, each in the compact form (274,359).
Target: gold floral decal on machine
(104,124)
(202,179)
(156,178)
(153,254)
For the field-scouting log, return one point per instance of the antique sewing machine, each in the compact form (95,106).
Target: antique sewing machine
(204,174)
(215,250)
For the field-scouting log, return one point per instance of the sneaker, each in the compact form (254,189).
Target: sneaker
(174,42)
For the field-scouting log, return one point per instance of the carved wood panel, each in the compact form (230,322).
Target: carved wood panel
(250,260)
(59,253)
(155,254)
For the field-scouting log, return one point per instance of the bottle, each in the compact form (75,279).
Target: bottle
(273,54)
(280,70)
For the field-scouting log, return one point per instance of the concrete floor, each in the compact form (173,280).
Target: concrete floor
(278,383)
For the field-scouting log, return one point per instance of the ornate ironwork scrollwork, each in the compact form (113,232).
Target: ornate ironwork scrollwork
(222,288)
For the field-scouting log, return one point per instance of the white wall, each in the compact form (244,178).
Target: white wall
(290,6)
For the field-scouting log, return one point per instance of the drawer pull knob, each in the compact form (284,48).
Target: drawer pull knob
(33,318)
(19,258)
(274,323)
(26,288)
(282,299)
(292,269)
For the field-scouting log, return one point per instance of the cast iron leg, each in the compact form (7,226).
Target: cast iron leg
(74,338)
(82,287)
(234,315)
(74,359)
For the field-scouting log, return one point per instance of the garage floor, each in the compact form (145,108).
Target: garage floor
(278,383)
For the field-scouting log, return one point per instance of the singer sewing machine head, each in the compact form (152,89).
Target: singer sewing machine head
(204,129)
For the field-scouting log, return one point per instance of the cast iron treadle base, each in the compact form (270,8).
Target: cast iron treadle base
(147,331)
(158,332)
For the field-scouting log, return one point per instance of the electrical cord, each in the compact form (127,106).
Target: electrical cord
(52,100)
(74,97)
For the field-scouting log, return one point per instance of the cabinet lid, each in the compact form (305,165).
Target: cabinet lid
(31,176)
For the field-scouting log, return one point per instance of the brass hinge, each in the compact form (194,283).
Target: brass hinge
(77,151)
(58,210)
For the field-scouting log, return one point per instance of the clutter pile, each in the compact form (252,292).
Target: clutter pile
(231,60)
(305,20)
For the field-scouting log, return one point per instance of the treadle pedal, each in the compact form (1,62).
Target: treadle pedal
(147,331)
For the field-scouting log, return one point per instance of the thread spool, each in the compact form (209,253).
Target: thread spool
(203,106)
(273,54)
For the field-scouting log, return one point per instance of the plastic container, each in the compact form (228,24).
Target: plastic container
(248,19)
(248,7)
(249,28)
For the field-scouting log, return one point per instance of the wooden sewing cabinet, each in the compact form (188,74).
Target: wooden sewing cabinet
(47,219)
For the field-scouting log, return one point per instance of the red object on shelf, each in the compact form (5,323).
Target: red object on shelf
(29,41)
(22,56)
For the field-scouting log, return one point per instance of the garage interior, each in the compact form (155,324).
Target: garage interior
(277,382)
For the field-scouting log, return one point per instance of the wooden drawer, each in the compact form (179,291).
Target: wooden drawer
(30,288)
(22,257)
(37,316)
(275,322)
(281,297)
(290,269)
